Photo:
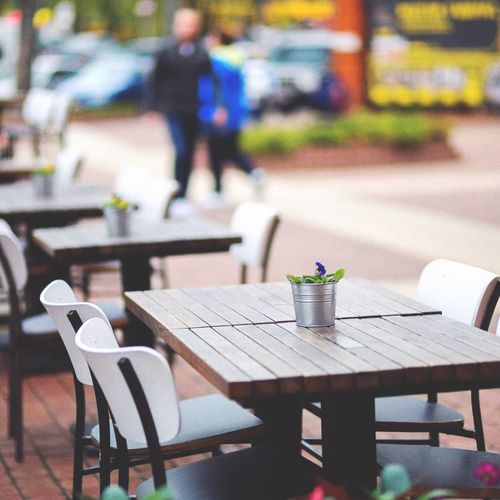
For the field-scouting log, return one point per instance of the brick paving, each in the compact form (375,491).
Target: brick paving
(346,217)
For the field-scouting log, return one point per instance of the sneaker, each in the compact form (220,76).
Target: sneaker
(215,201)
(182,208)
(258,176)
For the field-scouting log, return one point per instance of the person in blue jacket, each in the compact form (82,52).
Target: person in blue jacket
(223,139)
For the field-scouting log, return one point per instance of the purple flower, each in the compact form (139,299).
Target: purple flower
(320,269)
(488,473)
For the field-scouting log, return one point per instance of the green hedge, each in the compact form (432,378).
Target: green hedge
(411,129)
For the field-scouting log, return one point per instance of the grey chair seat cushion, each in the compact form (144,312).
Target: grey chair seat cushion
(410,414)
(430,467)
(206,421)
(240,475)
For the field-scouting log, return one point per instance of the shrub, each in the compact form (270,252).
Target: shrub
(397,129)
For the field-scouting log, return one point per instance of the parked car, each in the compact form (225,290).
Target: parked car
(302,62)
(108,78)
(63,59)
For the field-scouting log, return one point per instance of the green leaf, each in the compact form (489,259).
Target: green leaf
(293,279)
(164,493)
(437,494)
(339,274)
(394,480)
(114,492)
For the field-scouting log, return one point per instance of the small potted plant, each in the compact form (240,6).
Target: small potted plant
(43,181)
(315,296)
(118,214)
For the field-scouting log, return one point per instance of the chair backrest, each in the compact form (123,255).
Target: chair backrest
(37,107)
(152,194)
(59,299)
(257,224)
(67,166)
(460,291)
(95,339)
(61,109)
(13,254)
(14,276)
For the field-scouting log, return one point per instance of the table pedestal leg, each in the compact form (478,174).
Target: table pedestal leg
(348,434)
(289,476)
(136,275)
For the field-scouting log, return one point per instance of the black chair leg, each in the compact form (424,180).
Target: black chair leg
(16,404)
(79,437)
(123,460)
(478,421)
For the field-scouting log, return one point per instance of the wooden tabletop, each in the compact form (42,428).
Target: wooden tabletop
(233,305)
(11,170)
(18,202)
(393,353)
(90,242)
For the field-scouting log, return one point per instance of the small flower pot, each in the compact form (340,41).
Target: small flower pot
(43,185)
(118,220)
(314,303)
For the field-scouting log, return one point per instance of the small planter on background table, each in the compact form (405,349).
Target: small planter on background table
(118,220)
(43,182)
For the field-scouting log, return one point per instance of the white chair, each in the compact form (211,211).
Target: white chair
(257,223)
(199,434)
(60,114)
(464,293)
(36,113)
(33,342)
(67,166)
(153,399)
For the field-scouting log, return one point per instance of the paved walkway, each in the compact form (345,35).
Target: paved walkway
(381,222)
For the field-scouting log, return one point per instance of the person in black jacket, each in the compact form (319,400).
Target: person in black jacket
(173,93)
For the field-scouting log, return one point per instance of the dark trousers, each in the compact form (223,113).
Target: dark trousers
(224,148)
(184,131)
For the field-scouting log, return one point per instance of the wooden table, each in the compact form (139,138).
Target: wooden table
(24,211)
(90,243)
(243,339)
(11,170)
(19,204)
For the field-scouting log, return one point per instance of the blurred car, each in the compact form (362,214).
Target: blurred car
(259,77)
(62,59)
(302,63)
(109,78)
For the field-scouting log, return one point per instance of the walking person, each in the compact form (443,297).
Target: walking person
(173,94)
(223,138)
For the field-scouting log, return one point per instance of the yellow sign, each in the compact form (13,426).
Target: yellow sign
(279,11)
(433,53)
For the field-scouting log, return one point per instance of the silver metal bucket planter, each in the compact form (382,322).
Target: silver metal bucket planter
(43,185)
(314,303)
(118,220)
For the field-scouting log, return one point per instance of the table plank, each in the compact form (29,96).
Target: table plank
(18,202)
(203,296)
(157,318)
(90,242)
(264,382)
(211,364)
(414,306)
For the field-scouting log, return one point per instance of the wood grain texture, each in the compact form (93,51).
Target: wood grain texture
(244,343)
